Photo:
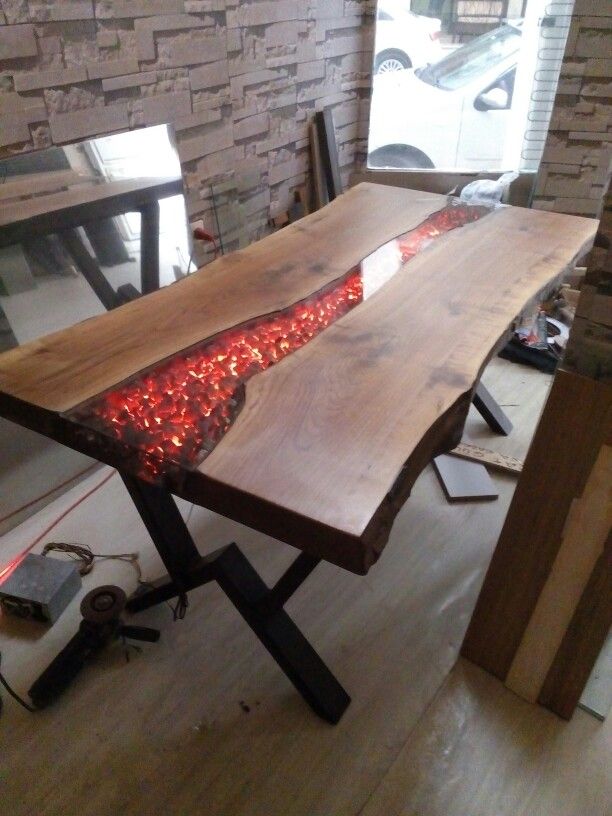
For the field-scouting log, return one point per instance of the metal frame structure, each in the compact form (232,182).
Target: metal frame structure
(259,605)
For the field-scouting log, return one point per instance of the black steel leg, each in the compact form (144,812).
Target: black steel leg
(149,247)
(490,411)
(165,525)
(261,607)
(88,267)
(281,637)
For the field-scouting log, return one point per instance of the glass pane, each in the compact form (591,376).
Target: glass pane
(477,93)
(97,188)
(94,190)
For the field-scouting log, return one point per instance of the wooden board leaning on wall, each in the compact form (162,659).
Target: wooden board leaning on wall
(546,604)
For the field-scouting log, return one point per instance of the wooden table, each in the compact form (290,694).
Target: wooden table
(70,200)
(298,386)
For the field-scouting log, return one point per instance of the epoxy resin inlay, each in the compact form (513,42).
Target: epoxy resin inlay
(177,411)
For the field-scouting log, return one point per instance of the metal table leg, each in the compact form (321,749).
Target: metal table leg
(149,247)
(260,606)
(88,266)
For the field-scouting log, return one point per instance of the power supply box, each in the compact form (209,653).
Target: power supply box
(40,588)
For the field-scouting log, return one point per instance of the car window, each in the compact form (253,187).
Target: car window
(382,15)
(471,60)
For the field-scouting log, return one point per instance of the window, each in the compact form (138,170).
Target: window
(473,60)
(448,98)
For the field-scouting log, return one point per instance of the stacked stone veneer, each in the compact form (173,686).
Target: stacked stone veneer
(576,164)
(240,81)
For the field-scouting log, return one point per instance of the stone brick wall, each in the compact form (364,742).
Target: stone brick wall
(239,81)
(576,164)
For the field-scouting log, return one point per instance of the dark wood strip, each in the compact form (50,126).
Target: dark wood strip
(583,641)
(329,152)
(556,470)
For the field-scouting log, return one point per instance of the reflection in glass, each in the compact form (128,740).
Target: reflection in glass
(60,205)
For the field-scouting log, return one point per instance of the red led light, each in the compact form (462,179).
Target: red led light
(178,411)
(9,569)
(437,224)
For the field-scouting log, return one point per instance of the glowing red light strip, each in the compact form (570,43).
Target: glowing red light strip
(12,565)
(178,411)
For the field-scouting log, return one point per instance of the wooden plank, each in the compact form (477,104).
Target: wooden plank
(360,357)
(321,197)
(582,641)
(519,194)
(492,459)
(586,528)
(596,697)
(555,474)
(328,150)
(464,481)
(328,444)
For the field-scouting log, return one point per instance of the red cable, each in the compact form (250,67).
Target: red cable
(44,495)
(12,565)
(201,234)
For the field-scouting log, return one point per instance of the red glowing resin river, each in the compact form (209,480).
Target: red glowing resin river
(178,411)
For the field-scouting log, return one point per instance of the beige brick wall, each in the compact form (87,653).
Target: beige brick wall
(577,159)
(239,80)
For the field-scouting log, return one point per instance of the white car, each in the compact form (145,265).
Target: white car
(404,39)
(450,114)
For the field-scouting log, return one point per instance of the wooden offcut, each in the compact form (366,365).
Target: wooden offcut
(492,459)
(328,152)
(583,540)
(555,474)
(329,442)
(583,640)
(545,606)
(320,195)
(464,481)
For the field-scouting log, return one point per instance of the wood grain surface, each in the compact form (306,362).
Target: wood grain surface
(539,527)
(330,441)
(583,541)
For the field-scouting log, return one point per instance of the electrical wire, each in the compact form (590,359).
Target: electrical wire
(45,495)
(200,234)
(13,693)
(12,565)
(83,553)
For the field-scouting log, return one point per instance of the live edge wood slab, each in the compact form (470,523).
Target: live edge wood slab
(328,442)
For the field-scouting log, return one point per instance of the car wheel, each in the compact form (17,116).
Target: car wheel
(399,156)
(389,61)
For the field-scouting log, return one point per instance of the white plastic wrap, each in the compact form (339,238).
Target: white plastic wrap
(488,192)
